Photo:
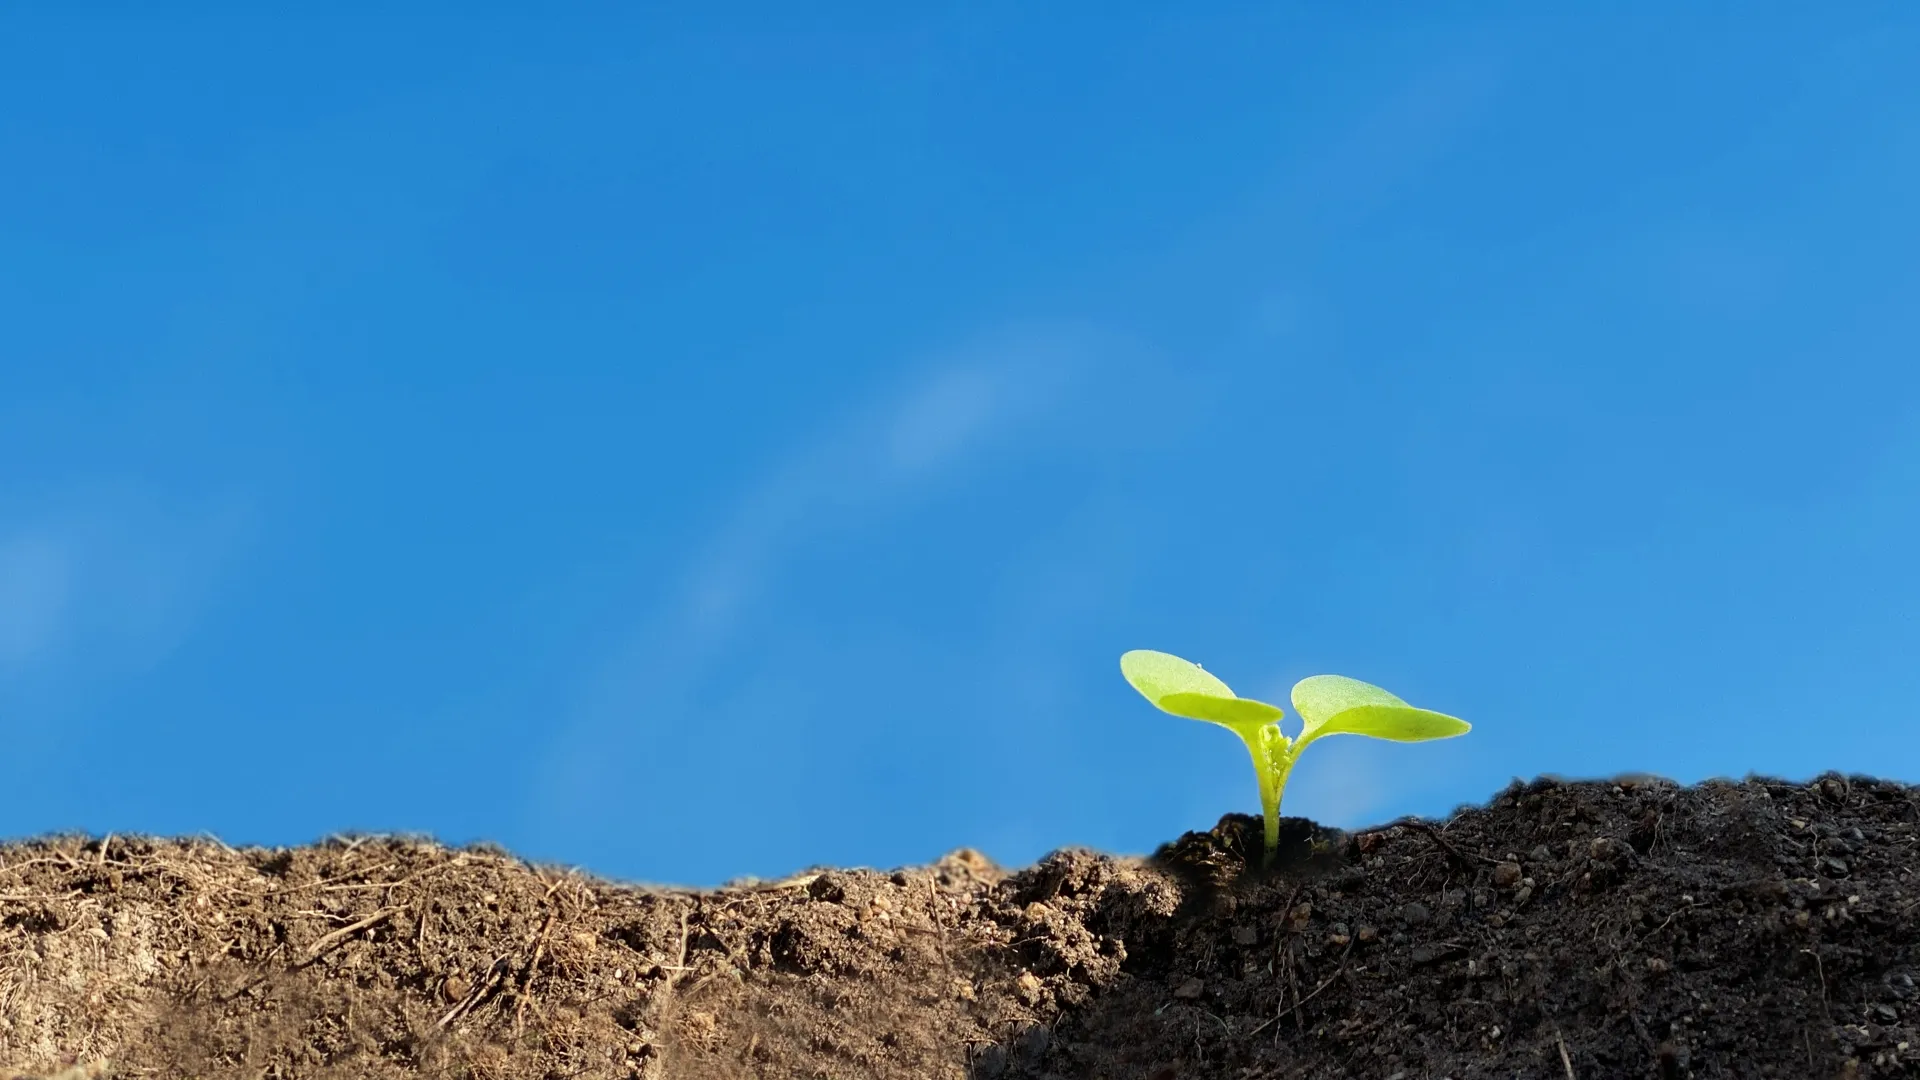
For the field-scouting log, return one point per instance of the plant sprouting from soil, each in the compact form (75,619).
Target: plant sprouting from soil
(1327,704)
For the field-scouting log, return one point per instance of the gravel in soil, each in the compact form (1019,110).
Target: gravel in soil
(1625,928)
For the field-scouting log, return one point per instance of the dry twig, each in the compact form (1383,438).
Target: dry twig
(1565,1061)
(1299,1001)
(327,943)
(1446,846)
(526,975)
(478,993)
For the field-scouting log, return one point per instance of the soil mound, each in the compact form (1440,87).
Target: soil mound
(1627,928)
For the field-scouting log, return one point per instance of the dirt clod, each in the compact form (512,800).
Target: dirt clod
(1747,929)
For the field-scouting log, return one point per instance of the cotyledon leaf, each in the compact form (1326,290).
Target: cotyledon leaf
(1186,689)
(1232,711)
(1157,675)
(1337,705)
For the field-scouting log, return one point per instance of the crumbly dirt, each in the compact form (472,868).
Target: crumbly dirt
(1626,928)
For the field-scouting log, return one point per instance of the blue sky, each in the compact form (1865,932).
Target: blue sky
(698,448)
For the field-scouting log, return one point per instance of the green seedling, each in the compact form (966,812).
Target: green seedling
(1327,704)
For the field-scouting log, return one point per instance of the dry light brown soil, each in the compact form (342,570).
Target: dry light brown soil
(1628,928)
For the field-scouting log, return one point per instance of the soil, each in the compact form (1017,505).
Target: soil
(1626,928)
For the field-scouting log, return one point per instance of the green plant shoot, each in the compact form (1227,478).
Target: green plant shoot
(1327,704)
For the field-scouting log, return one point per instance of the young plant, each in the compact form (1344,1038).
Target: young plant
(1327,704)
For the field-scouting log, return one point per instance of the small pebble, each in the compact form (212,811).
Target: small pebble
(1415,914)
(1189,990)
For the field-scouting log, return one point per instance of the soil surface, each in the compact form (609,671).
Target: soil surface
(1627,928)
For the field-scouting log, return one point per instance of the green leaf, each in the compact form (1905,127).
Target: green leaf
(1186,689)
(1400,723)
(1337,705)
(1321,697)
(1231,711)
(1157,675)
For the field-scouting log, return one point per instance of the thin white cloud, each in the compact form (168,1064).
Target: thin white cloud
(963,405)
(107,580)
(940,419)
(953,413)
(35,576)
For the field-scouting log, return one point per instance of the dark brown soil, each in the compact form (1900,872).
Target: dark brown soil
(1596,929)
